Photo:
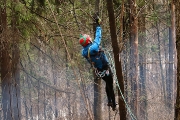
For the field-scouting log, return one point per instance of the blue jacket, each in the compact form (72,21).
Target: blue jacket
(98,59)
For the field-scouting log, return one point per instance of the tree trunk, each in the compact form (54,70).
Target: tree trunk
(15,66)
(45,101)
(157,26)
(172,39)
(5,64)
(97,81)
(116,51)
(54,72)
(160,61)
(134,57)
(142,67)
(177,105)
(29,83)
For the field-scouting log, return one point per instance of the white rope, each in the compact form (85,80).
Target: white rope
(133,117)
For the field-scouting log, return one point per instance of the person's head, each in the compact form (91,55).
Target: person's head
(85,40)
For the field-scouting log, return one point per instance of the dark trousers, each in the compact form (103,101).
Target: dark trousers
(109,88)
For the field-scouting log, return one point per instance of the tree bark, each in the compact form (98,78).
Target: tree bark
(116,51)
(142,67)
(97,81)
(54,69)
(172,39)
(134,57)
(15,65)
(177,14)
(5,64)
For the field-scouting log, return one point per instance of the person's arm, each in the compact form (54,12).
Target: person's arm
(96,43)
(97,39)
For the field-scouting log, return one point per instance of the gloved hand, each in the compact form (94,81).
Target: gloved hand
(98,20)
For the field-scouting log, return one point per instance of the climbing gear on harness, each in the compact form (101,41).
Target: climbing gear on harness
(107,72)
(98,73)
(99,55)
(85,40)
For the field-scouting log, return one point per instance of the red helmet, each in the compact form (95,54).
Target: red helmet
(84,40)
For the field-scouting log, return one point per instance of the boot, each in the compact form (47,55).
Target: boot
(114,106)
(109,104)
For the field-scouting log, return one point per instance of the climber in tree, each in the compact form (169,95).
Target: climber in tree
(96,57)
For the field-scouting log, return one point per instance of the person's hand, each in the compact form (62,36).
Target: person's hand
(98,20)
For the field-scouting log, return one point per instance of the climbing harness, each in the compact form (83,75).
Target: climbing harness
(98,73)
(101,74)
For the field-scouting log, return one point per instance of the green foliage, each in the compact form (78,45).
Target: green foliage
(117,3)
(154,48)
(142,34)
(41,2)
(141,3)
(27,45)
(142,50)
(19,7)
(24,17)
(167,17)
(153,17)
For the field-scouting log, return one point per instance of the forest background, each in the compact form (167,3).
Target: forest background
(44,76)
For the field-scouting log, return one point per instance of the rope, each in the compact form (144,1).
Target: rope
(133,117)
